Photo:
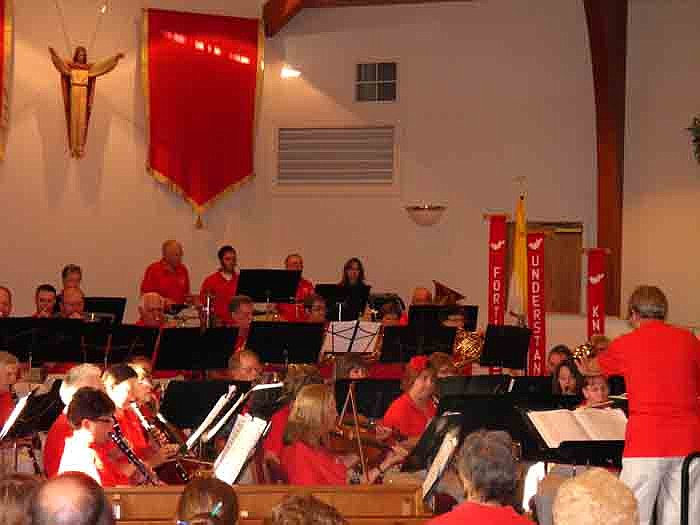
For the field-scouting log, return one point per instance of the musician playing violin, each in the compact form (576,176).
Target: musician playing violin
(307,459)
(410,414)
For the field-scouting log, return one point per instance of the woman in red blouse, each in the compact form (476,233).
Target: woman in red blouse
(410,414)
(306,458)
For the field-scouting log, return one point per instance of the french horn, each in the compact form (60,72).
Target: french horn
(467,348)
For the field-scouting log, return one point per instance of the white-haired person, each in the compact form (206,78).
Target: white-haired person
(76,378)
(595,497)
(488,471)
(661,367)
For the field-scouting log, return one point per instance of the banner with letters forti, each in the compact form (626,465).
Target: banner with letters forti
(536,311)
(595,292)
(497,269)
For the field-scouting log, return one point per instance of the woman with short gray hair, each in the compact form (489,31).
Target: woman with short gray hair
(487,469)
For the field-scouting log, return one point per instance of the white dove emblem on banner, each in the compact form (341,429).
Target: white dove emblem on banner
(495,246)
(536,245)
(595,279)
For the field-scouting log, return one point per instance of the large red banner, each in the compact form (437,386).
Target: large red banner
(595,291)
(5,68)
(536,312)
(200,76)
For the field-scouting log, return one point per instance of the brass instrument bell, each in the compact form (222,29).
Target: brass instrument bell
(467,348)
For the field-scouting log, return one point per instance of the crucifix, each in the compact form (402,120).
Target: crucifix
(78,86)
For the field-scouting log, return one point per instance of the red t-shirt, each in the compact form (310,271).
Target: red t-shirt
(274,441)
(305,465)
(661,367)
(133,432)
(479,514)
(223,291)
(173,285)
(404,416)
(110,459)
(295,312)
(6,406)
(55,442)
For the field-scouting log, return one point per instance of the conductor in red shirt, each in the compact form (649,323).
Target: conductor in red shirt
(661,367)
(222,284)
(168,276)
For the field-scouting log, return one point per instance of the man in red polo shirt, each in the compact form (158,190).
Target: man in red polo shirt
(661,367)
(222,284)
(305,288)
(168,276)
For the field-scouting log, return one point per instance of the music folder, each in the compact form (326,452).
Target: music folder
(269,286)
(506,346)
(428,445)
(186,403)
(194,348)
(280,342)
(244,438)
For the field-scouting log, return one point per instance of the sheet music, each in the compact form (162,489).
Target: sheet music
(218,407)
(21,403)
(607,424)
(342,341)
(556,426)
(442,459)
(244,437)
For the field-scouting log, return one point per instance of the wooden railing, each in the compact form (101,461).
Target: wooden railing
(360,504)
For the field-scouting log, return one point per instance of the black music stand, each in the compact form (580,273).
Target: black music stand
(187,403)
(473,385)
(106,307)
(430,314)
(286,342)
(269,286)
(39,413)
(429,443)
(129,341)
(194,349)
(352,336)
(372,396)
(506,346)
(541,385)
(344,303)
(42,340)
(401,343)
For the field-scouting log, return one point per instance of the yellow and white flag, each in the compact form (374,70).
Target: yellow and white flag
(517,289)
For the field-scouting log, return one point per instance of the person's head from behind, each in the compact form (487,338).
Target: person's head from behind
(595,497)
(599,343)
(16,492)
(595,389)
(353,272)
(647,303)
(558,354)
(312,417)
(298,376)
(352,366)
(72,303)
(45,300)
(5,301)
(390,314)
(487,467)
(91,415)
(245,366)
(9,370)
(78,377)
(72,498)
(121,382)
(207,501)
(567,380)
(442,364)
(298,509)
(71,276)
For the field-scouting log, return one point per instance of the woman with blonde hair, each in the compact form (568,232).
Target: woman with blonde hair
(306,458)
(207,502)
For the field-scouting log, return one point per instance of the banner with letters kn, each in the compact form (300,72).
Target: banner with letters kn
(536,311)
(595,292)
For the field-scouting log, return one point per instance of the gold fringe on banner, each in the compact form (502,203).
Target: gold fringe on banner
(198,209)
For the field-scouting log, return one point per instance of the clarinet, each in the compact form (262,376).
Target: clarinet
(148,475)
(160,438)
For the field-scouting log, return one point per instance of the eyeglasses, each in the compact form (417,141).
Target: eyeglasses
(106,420)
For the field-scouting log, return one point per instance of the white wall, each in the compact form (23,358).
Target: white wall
(662,180)
(488,91)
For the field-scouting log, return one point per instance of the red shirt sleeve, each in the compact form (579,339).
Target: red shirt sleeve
(150,280)
(6,406)
(54,445)
(611,360)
